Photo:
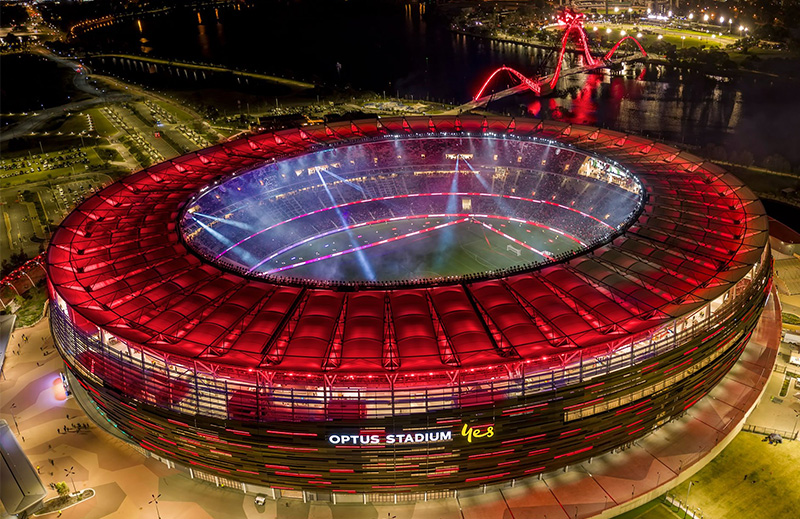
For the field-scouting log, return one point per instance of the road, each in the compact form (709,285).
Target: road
(81,82)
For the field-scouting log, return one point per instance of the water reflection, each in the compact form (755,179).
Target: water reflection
(202,40)
(416,55)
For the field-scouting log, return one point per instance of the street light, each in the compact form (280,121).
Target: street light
(154,501)
(686,510)
(14,406)
(70,472)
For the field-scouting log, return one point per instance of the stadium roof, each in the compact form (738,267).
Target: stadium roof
(118,261)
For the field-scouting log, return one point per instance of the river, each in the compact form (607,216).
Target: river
(392,48)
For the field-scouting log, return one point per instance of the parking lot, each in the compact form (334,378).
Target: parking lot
(31,211)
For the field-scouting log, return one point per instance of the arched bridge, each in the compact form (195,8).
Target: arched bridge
(573,24)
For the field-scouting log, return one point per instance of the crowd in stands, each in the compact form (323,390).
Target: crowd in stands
(538,183)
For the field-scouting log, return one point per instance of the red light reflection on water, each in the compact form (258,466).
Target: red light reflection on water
(597,101)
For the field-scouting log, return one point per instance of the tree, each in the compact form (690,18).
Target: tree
(63,490)
(777,162)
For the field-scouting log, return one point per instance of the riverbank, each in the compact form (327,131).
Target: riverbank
(736,56)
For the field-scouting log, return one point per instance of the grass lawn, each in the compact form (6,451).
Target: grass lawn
(422,250)
(77,122)
(650,36)
(109,154)
(181,115)
(739,57)
(721,491)
(101,124)
(224,131)
(655,509)
(770,490)
(651,33)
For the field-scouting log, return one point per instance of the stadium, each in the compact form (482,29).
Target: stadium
(408,304)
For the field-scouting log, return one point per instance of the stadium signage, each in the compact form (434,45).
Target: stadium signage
(474,432)
(390,439)
(431,436)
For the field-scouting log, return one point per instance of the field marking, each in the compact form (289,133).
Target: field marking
(362,247)
(413,195)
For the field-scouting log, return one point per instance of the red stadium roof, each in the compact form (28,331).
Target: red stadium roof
(118,262)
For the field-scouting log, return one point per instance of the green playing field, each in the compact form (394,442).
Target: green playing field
(413,249)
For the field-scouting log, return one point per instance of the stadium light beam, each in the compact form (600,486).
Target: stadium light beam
(337,177)
(368,272)
(360,248)
(235,223)
(216,234)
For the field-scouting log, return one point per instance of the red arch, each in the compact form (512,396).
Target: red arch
(531,84)
(591,61)
(573,22)
(614,48)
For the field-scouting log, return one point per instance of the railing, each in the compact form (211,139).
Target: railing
(189,390)
(694,513)
(786,435)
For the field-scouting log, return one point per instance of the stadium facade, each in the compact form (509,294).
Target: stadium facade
(369,384)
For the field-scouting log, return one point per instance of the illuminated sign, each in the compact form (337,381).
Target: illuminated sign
(432,436)
(462,156)
(473,432)
(390,439)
